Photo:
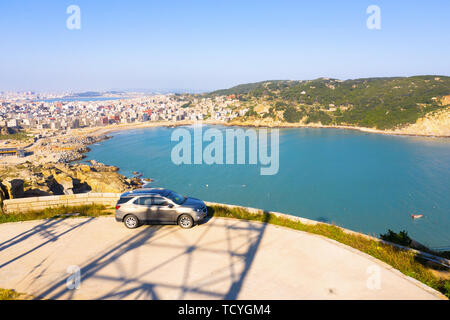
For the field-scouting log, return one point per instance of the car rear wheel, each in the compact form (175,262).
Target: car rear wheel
(131,221)
(185,221)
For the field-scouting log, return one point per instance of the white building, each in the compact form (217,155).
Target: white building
(11,123)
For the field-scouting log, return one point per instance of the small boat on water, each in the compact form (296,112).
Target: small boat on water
(416,216)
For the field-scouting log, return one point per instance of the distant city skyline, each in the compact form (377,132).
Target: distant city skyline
(118,90)
(207,45)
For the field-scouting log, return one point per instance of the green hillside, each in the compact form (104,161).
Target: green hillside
(244,88)
(384,103)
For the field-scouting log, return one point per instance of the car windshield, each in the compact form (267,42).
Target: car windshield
(175,197)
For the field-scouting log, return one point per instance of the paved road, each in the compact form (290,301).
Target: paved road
(221,259)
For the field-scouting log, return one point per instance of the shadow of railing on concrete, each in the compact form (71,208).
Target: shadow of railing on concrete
(45,230)
(129,284)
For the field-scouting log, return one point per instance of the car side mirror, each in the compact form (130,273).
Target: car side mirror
(170,205)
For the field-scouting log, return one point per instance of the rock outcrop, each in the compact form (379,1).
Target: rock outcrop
(3,196)
(433,124)
(14,188)
(30,180)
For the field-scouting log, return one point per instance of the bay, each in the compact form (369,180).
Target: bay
(365,182)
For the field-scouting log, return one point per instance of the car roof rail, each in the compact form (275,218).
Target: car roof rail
(146,191)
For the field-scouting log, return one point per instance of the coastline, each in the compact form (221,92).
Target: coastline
(101,133)
(279,125)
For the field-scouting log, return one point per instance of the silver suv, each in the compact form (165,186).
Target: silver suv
(158,206)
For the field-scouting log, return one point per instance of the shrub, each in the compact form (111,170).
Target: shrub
(400,238)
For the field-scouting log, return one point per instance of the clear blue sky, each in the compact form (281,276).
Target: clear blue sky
(214,43)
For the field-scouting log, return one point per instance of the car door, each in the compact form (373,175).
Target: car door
(141,208)
(164,211)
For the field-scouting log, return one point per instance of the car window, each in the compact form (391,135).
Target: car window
(159,201)
(175,197)
(123,200)
(144,201)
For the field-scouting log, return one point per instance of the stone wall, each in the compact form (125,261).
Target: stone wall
(40,203)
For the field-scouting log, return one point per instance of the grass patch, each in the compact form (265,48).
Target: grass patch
(7,294)
(93,210)
(20,136)
(402,260)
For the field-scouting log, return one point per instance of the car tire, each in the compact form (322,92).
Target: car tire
(131,221)
(185,221)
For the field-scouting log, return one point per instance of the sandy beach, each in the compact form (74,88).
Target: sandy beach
(131,126)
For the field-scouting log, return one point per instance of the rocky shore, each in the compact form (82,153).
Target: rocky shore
(31,180)
(52,170)
(67,148)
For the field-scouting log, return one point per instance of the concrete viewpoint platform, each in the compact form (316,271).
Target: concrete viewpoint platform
(220,259)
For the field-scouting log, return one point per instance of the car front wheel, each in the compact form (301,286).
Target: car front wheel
(131,221)
(185,221)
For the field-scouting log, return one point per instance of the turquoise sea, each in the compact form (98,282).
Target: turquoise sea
(361,181)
